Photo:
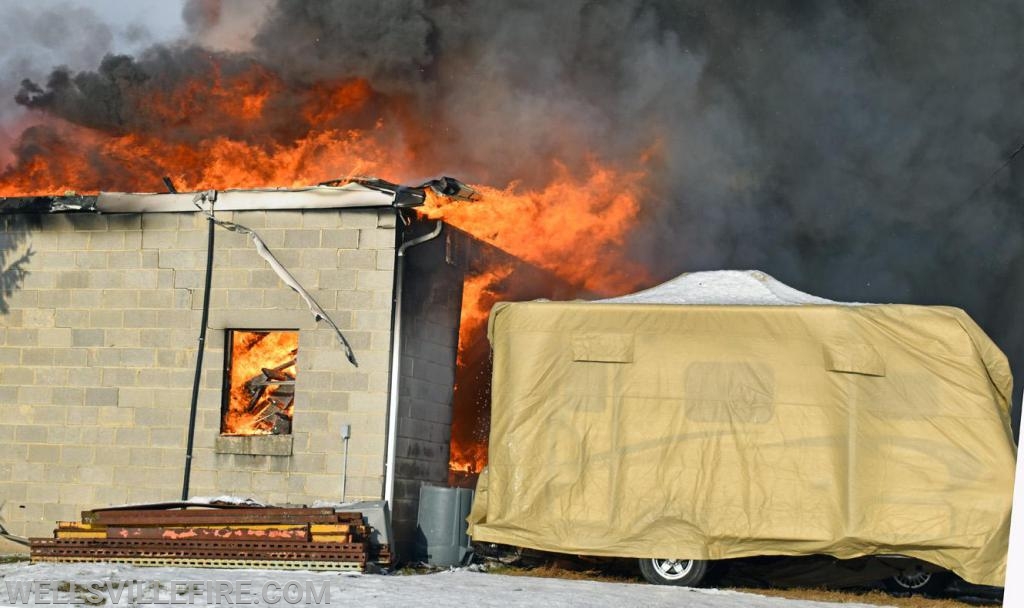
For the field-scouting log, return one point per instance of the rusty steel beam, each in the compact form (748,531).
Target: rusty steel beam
(294,533)
(192,544)
(210,516)
(210,552)
(329,566)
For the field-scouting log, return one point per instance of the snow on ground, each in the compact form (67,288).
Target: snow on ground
(461,587)
(718,287)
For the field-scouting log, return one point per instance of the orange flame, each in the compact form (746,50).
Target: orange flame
(573,227)
(248,127)
(250,412)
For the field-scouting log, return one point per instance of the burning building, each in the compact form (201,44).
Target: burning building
(105,302)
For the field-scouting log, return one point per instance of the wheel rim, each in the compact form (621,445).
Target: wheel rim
(913,580)
(672,569)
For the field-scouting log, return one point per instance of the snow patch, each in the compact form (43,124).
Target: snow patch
(724,287)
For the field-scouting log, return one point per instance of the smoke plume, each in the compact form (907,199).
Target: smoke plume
(855,150)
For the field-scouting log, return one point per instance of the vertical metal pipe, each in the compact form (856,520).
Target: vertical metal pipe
(396,358)
(199,359)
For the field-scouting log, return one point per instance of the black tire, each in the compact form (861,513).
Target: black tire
(679,572)
(917,582)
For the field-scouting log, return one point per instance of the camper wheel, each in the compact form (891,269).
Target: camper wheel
(917,581)
(680,572)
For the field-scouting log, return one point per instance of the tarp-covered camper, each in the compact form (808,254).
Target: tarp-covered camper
(725,415)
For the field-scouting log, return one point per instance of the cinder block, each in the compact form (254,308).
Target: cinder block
(104,279)
(30,433)
(138,356)
(112,416)
(167,437)
(130,436)
(246,258)
(180,259)
(35,394)
(131,222)
(77,455)
(251,219)
(122,338)
(75,318)
(85,298)
(58,299)
(124,259)
(374,280)
(359,218)
(153,222)
(17,375)
(42,493)
(280,299)
(321,218)
(320,258)
(68,395)
(270,482)
(39,453)
(40,279)
(194,239)
(360,259)
(97,358)
(377,238)
(140,318)
(119,298)
(71,279)
(64,435)
(386,260)
(104,318)
(101,396)
(350,381)
(85,222)
(340,238)
(119,376)
(60,512)
(37,356)
(296,239)
(72,241)
(51,376)
(100,475)
(387,218)
(353,300)
(156,378)
(151,417)
(284,219)
(161,240)
(159,298)
(144,457)
(245,298)
(142,278)
(92,259)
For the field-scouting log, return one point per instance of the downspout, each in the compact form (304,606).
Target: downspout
(208,197)
(396,358)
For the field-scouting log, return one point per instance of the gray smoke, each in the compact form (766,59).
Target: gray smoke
(854,150)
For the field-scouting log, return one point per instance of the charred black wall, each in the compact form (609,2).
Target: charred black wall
(431,301)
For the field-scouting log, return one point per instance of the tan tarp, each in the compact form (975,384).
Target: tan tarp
(709,432)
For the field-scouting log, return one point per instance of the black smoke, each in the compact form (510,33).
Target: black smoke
(855,150)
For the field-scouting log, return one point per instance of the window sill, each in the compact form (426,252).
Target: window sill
(254,445)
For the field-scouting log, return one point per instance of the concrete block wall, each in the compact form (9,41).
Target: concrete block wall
(97,352)
(432,301)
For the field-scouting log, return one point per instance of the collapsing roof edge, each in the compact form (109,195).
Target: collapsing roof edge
(337,194)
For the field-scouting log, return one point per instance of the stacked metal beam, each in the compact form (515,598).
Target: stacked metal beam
(261,537)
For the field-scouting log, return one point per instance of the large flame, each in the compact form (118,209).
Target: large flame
(468,454)
(245,126)
(253,408)
(574,226)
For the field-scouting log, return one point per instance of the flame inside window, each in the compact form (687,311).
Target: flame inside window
(259,382)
